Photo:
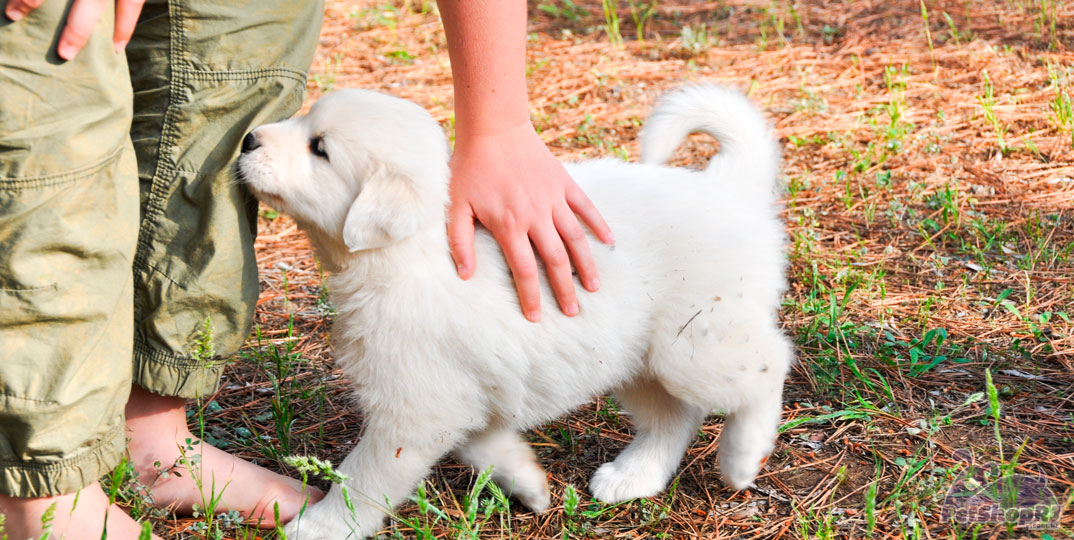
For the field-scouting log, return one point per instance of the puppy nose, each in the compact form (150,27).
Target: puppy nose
(249,142)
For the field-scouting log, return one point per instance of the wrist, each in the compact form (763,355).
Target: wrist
(476,124)
(492,133)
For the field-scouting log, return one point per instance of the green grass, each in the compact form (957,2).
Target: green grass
(988,107)
(611,21)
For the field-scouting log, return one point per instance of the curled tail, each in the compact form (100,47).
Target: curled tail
(749,157)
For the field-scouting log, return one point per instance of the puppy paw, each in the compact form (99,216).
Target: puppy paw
(739,472)
(612,484)
(305,531)
(323,521)
(528,484)
(537,498)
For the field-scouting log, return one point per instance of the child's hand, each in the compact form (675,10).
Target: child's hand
(81,20)
(513,185)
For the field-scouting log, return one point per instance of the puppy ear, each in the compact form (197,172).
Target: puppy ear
(387,210)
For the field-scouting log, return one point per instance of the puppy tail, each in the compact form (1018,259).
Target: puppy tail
(749,157)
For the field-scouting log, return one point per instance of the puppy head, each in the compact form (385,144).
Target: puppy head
(362,169)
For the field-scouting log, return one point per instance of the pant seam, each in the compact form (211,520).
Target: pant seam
(166,358)
(52,180)
(152,268)
(32,400)
(247,74)
(162,175)
(89,454)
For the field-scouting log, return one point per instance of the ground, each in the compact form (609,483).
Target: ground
(929,197)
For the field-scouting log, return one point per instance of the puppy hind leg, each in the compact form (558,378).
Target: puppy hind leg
(514,466)
(748,436)
(665,427)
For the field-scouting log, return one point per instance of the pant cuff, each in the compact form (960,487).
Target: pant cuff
(169,374)
(33,479)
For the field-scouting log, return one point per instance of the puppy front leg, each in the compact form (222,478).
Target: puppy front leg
(383,470)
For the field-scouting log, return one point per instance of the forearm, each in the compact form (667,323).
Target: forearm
(487,44)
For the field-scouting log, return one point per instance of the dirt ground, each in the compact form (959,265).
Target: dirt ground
(929,197)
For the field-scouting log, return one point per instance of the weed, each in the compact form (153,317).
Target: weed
(204,352)
(820,524)
(326,80)
(797,19)
(641,12)
(49,515)
(870,503)
(988,105)
(424,529)
(566,9)
(611,21)
(928,31)
(847,197)
(926,352)
(609,411)
(1063,113)
(829,33)
(696,39)
(307,465)
(955,35)
(1046,21)
(811,102)
(207,508)
(401,56)
(385,15)
(776,22)
(896,129)
(279,367)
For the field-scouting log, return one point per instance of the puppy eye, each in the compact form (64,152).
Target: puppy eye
(317,147)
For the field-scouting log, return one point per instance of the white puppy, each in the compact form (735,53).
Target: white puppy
(685,321)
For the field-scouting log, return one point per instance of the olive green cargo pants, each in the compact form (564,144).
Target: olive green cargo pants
(112,163)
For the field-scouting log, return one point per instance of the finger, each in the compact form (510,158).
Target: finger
(577,243)
(126,18)
(557,265)
(519,254)
(582,206)
(461,239)
(17,9)
(81,21)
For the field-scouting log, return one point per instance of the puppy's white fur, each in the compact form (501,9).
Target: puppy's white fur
(685,321)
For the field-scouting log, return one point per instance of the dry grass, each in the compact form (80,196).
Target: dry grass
(910,213)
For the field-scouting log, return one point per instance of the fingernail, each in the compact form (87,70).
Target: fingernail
(13,15)
(120,46)
(610,239)
(533,316)
(66,51)
(461,269)
(571,310)
(594,284)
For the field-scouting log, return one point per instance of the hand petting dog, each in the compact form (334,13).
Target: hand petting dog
(502,174)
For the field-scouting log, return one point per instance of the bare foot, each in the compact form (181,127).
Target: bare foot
(156,426)
(77,515)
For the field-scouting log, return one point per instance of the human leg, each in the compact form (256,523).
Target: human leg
(224,68)
(82,514)
(68,223)
(161,442)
